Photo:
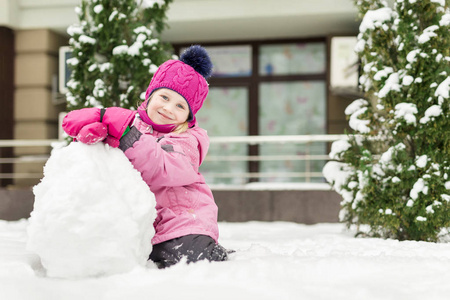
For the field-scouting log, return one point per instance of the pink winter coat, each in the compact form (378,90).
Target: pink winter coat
(169,165)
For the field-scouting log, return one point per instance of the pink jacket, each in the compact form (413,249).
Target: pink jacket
(169,165)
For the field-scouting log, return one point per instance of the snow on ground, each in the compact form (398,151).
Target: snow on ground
(278,260)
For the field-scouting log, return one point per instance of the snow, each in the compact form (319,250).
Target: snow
(407,80)
(419,187)
(432,111)
(411,56)
(391,84)
(338,147)
(119,50)
(383,73)
(150,3)
(87,40)
(278,260)
(406,111)
(98,8)
(428,33)
(355,109)
(75,29)
(375,18)
(421,161)
(443,89)
(445,20)
(93,213)
(440,2)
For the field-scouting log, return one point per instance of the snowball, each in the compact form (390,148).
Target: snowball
(447,185)
(445,197)
(375,18)
(432,111)
(396,179)
(406,111)
(93,214)
(421,219)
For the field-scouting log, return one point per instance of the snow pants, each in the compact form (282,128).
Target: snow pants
(194,247)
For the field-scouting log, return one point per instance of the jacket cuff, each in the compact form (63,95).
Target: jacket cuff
(128,140)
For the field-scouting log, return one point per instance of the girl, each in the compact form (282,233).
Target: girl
(164,143)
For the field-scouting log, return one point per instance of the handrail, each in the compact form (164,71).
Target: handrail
(260,139)
(250,140)
(27,143)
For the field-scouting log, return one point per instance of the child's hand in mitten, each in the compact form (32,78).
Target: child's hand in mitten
(92,125)
(92,133)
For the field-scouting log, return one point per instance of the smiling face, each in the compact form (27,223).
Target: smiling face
(167,107)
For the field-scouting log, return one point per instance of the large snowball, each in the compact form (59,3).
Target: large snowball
(93,214)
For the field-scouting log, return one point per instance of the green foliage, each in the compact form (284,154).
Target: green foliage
(115,51)
(395,168)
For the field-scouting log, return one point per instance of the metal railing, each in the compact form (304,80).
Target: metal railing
(307,140)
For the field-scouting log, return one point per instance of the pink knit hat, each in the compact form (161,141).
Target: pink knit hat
(187,77)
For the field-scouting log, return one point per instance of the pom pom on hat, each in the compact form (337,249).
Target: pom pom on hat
(197,57)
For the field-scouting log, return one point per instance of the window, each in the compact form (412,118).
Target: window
(264,88)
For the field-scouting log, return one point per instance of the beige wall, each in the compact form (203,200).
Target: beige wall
(35,115)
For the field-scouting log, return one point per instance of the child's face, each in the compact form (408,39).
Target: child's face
(167,107)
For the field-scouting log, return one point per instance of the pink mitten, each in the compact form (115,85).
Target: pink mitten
(112,141)
(92,133)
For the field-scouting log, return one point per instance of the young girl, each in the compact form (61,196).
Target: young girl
(164,143)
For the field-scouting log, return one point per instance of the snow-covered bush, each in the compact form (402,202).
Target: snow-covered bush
(393,172)
(115,51)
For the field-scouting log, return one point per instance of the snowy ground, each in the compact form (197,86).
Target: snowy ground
(273,261)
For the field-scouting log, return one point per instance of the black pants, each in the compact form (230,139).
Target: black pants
(194,247)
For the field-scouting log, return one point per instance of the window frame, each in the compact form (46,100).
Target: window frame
(253,81)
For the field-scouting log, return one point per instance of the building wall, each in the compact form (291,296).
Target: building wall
(35,115)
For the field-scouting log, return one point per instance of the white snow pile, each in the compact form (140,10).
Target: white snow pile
(93,214)
(354,110)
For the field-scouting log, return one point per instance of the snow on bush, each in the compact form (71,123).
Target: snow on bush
(392,171)
(93,214)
